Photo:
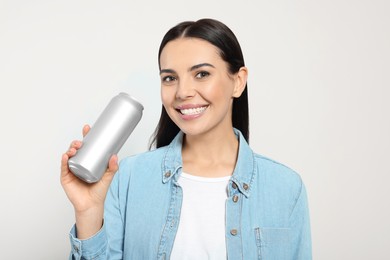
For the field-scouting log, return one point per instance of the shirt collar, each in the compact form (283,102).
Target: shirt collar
(172,161)
(243,173)
(245,170)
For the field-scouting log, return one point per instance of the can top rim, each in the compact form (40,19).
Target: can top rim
(133,100)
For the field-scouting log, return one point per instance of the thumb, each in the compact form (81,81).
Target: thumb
(112,169)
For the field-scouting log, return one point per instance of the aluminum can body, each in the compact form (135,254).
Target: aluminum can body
(106,137)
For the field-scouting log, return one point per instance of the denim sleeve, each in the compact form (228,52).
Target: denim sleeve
(300,225)
(108,242)
(114,209)
(91,248)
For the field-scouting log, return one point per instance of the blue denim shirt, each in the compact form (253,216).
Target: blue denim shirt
(267,219)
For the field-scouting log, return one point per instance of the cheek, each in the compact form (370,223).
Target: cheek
(167,96)
(221,90)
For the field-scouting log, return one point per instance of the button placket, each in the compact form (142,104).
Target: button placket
(233,221)
(170,227)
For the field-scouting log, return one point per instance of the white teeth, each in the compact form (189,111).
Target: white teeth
(193,111)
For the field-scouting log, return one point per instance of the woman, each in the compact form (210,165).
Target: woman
(203,193)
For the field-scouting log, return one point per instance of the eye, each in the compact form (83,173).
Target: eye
(202,74)
(168,79)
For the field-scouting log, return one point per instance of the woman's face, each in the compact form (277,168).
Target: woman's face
(197,89)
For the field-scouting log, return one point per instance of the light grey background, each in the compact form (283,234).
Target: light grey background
(319,103)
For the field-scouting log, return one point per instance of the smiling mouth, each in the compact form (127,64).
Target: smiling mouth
(192,111)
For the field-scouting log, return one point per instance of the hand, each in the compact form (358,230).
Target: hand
(87,199)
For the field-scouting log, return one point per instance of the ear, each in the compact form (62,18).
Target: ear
(240,82)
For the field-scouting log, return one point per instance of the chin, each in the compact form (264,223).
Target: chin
(192,131)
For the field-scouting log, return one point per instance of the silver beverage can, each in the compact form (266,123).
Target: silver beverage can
(106,137)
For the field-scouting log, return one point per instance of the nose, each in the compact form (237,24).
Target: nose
(185,90)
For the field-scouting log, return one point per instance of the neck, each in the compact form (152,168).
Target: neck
(211,155)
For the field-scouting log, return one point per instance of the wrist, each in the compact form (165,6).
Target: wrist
(89,222)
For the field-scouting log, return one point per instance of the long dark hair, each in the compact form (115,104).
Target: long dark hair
(219,35)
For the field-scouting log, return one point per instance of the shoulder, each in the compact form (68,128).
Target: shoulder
(137,174)
(141,164)
(144,158)
(277,175)
(268,172)
(269,165)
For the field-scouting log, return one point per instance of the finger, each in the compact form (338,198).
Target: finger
(86,129)
(71,152)
(64,164)
(75,144)
(113,164)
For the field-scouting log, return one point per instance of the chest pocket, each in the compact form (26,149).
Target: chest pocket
(273,243)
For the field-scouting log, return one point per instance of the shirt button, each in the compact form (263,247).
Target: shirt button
(76,248)
(167,174)
(245,186)
(235,198)
(234,185)
(233,232)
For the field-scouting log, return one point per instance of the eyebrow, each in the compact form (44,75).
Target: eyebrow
(200,65)
(195,67)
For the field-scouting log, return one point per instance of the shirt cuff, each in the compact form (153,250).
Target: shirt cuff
(88,248)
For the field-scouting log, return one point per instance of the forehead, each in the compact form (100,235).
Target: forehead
(189,51)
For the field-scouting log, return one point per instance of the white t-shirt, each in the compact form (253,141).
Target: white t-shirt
(201,231)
